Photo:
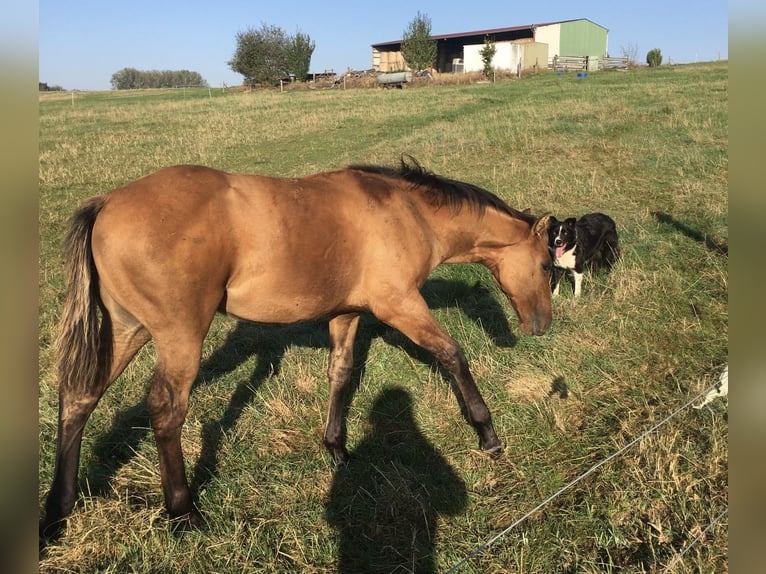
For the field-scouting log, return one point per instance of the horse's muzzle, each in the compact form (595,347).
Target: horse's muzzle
(538,325)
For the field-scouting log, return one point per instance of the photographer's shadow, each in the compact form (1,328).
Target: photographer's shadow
(385,501)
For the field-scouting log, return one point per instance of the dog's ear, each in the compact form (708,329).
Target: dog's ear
(570,220)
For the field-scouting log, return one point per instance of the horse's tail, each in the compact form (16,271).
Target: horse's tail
(83,346)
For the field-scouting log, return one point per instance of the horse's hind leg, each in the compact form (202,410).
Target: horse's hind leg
(76,403)
(342,333)
(178,358)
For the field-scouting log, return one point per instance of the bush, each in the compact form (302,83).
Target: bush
(487,55)
(654,57)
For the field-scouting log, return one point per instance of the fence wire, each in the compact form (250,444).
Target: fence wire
(678,558)
(479,549)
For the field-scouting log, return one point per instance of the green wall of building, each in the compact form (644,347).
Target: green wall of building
(583,38)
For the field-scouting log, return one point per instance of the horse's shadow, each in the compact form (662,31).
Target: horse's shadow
(117,447)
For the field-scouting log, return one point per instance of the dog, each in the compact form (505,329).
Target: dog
(590,242)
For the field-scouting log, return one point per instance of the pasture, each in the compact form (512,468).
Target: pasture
(647,147)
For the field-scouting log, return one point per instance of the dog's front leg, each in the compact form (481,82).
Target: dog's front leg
(577,283)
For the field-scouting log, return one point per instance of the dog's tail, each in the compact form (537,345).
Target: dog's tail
(611,249)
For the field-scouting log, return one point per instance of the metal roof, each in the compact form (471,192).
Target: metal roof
(491,31)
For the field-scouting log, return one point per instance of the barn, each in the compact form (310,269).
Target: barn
(518,48)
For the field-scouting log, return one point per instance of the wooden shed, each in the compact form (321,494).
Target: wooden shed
(519,48)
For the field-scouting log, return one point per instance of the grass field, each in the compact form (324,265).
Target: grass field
(648,147)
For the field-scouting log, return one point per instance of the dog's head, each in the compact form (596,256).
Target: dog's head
(561,236)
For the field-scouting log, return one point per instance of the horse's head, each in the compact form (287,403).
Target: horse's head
(523,270)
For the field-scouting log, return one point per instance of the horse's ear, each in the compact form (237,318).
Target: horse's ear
(528,210)
(540,228)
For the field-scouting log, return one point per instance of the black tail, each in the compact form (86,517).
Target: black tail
(611,249)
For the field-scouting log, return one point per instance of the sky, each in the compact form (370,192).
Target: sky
(81,43)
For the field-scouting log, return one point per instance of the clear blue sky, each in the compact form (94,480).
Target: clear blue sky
(83,42)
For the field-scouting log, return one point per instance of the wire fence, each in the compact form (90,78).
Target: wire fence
(693,543)
(479,549)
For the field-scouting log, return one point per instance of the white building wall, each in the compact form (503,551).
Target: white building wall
(472,58)
(508,56)
(550,35)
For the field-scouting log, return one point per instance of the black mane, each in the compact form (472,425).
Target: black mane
(442,191)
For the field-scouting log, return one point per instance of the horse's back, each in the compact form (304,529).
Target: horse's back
(277,249)
(322,244)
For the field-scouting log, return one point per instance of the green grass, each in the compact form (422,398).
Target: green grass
(648,147)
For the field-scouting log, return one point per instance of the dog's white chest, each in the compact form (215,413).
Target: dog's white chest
(567,259)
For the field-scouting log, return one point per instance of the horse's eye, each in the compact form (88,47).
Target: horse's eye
(547,267)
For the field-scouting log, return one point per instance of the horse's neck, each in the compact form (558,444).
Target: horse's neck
(470,238)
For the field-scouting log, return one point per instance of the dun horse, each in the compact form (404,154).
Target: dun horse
(157,258)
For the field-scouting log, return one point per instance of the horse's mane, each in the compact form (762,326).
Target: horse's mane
(442,191)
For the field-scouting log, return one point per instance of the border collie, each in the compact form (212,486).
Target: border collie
(576,244)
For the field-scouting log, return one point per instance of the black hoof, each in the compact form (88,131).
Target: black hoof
(492,447)
(340,457)
(50,533)
(494,452)
(338,453)
(186,522)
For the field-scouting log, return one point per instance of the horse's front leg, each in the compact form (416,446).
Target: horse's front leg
(412,317)
(342,334)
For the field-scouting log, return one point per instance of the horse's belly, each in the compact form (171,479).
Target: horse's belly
(265,305)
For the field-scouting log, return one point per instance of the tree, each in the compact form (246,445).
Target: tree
(418,49)
(654,57)
(132,79)
(261,55)
(126,79)
(631,53)
(487,54)
(299,50)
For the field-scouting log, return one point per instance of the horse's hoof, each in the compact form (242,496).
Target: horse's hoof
(338,453)
(493,448)
(340,457)
(186,522)
(50,532)
(495,452)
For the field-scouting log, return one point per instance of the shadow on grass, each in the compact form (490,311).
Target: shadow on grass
(384,503)
(131,426)
(722,248)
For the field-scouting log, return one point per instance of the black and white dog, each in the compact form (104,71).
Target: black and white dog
(590,242)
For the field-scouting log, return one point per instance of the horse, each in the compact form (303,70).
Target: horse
(157,258)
